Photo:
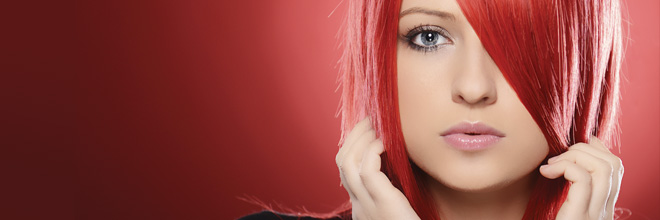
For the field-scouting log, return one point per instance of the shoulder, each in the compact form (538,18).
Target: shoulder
(268,215)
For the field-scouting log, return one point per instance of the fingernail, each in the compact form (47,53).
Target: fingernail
(552,159)
(544,166)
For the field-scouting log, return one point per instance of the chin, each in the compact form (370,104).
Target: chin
(475,179)
(474,184)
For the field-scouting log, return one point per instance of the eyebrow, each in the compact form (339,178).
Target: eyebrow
(441,14)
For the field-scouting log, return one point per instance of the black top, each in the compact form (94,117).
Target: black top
(268,215)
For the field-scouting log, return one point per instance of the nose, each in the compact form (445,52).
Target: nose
(475,84)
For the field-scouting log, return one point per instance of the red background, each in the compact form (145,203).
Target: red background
(172,109)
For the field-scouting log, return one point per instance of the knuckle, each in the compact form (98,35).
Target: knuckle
(344,166)
(620,169)
(364,175)
(339,160)
(617,164)
(342,169)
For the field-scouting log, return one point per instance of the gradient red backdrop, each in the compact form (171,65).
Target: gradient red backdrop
(173,109)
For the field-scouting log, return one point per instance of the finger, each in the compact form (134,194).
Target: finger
(370,171)
(355,133)
(613,160)
(354,186)
(380,187)
(344,170)
(358,130)
(599,152)
(350,167)
(348,152)
(384,195)
(601,175)
(344,184)
(617,173)
(370,162)
(355,152)
(579,193)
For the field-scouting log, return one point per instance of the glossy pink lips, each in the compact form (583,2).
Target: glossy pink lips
(471,136)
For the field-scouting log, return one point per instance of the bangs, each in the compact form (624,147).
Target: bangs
(561,57)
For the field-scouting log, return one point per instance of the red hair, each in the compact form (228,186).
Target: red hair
(569,50)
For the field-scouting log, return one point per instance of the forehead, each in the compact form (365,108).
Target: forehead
(442,5)
(450,7)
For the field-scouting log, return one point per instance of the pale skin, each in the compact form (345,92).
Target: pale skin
(453,79)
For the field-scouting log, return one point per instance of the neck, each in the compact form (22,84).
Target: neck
(507,202)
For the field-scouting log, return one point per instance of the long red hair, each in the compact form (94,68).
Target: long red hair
(569,50)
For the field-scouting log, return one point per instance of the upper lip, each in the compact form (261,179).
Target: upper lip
(476,128)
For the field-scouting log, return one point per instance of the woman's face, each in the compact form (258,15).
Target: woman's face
(446,77)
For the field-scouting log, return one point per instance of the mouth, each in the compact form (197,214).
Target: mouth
(475,136)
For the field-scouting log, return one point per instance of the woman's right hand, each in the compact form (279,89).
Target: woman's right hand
(372,194)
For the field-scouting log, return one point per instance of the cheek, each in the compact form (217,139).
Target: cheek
(524,152)
(420,105)
(527,137)
(424,94)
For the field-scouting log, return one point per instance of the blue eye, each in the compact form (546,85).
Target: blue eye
(427,38)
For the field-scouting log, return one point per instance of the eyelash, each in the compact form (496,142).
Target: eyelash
(413,32)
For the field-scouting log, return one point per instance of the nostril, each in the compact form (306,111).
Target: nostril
(472,91)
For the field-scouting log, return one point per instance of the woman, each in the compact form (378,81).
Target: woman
(480,110)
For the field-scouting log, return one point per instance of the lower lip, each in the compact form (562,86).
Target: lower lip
(471,142)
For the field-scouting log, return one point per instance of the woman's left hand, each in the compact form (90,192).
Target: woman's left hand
(595,174)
